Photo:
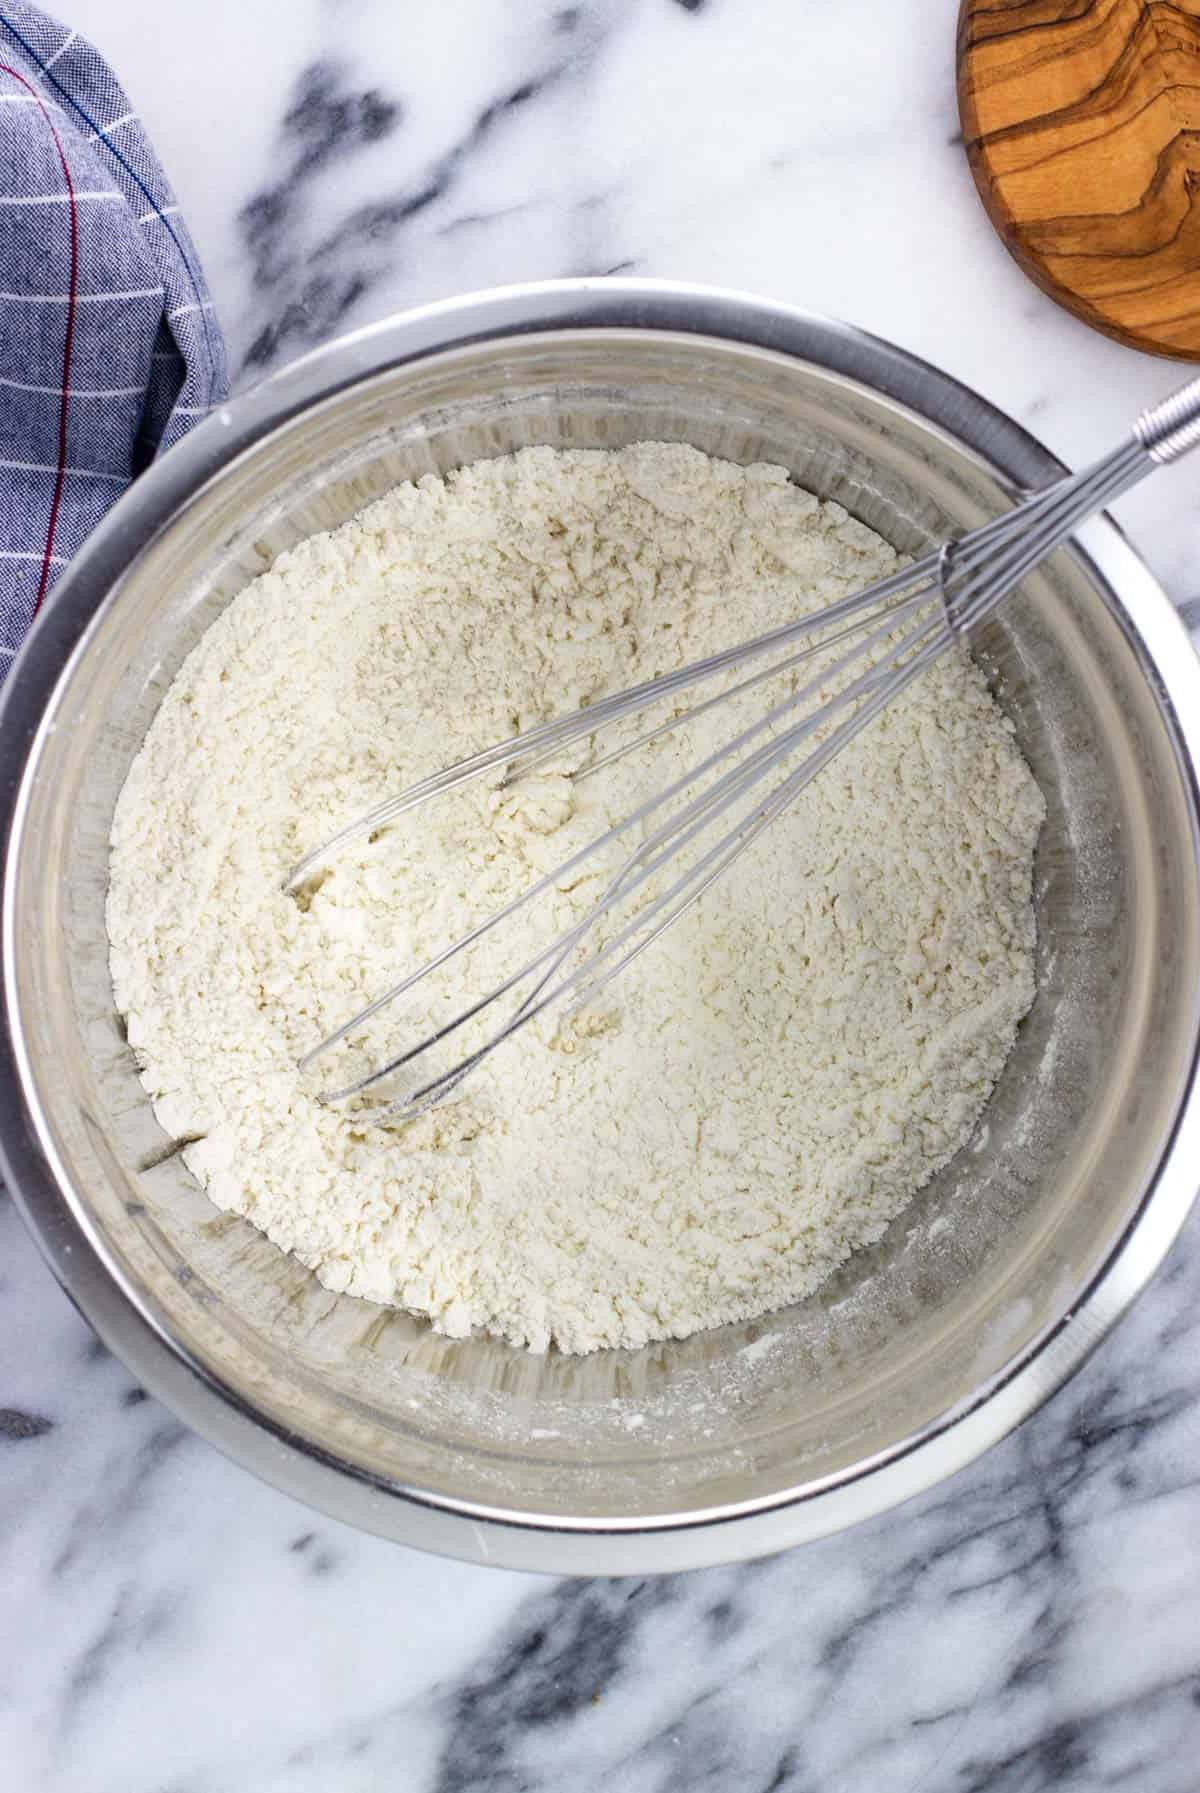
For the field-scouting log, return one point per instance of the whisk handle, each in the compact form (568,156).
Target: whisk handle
(979,570)
(1170,430)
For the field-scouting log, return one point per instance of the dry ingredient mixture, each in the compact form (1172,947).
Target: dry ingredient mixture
(759,1096)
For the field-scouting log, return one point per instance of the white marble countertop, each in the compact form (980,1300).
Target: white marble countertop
(171,1626)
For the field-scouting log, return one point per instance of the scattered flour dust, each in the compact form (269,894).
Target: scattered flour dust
(761,1094)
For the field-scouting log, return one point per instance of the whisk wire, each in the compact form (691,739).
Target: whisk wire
(665,844)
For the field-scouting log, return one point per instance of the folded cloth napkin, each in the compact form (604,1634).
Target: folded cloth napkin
(109,346)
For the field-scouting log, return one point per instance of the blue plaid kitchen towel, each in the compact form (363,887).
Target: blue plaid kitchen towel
(109,346)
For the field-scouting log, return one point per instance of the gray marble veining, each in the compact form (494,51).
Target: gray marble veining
(1030,1624)
(171,1626)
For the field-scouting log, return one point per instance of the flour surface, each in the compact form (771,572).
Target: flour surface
(759,1096)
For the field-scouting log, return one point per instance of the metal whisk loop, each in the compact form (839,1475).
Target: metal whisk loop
(898,626)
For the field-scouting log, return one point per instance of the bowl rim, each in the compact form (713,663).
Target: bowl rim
(475,1531)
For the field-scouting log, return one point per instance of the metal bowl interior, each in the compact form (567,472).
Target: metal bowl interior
(924,1348)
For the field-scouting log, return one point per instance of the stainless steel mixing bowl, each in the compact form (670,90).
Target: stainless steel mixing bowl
(926,1349)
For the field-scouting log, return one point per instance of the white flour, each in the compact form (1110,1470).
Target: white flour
(758,1097)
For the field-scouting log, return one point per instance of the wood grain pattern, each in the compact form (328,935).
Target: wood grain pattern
(1081,120)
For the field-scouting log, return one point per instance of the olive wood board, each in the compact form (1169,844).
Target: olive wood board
(1081,121)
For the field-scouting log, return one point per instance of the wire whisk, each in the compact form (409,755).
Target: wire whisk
(845,664)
